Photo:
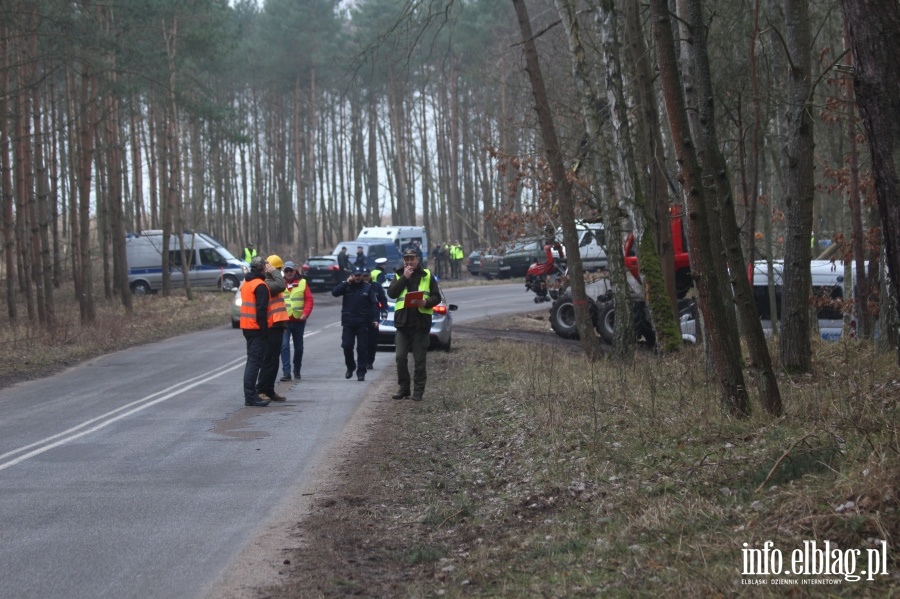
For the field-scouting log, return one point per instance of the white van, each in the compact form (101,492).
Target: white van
(591,245)
(828,288)
(210,265)
(401,236)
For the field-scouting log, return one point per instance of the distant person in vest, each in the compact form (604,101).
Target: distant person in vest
(298,301)
(344,262)
(255,324)
(377,273)
(249,253)
(359,315)
(456,258)
(369,277)
(412,318)
(276,319)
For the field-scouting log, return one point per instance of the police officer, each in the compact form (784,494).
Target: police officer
(359,315)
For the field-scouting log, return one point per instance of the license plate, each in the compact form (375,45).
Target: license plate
(318,280)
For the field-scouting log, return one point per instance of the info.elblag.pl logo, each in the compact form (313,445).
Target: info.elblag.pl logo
(811,560)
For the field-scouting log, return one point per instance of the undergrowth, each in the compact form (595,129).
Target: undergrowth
(531,473)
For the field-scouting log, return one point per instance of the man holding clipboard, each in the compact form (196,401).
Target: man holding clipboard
(417,293)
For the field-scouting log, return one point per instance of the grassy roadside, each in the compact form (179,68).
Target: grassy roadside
(35,351)
(530,474)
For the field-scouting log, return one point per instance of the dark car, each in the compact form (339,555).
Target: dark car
(473,262)
(322,272)
(512,260)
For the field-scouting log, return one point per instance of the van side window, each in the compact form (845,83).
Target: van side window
(210,257)
(376,251)
(175,258)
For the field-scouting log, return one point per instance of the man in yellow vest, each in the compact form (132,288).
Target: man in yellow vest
(298,300)
(276,319)
(249,253)
(412,319)
(254,323)
(456,258)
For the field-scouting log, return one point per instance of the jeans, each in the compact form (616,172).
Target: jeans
(416,340)
(256,350)
(293,331)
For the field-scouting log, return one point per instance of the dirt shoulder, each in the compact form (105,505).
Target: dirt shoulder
(342,536)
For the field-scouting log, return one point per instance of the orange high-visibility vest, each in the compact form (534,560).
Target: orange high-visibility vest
(277,310)
(248,304)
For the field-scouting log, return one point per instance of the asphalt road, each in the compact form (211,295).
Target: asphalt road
(141,474)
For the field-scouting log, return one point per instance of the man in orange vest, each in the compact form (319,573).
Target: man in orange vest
(276,320)
(254,323)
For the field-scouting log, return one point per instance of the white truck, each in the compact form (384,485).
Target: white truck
(210,265)
(401,236)
(591,245)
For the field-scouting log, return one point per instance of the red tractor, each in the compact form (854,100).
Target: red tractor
(602,309)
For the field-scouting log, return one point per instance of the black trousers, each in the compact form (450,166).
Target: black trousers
(256,351)
(358,335)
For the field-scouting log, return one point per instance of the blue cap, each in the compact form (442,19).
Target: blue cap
(360,270)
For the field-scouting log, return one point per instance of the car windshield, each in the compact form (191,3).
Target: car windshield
(321,262)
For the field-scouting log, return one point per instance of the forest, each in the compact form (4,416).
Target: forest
(294,123)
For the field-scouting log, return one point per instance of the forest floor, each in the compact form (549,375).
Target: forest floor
(530,472)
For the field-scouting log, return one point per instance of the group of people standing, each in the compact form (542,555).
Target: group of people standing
(276,303)
(447,259)
(346,264)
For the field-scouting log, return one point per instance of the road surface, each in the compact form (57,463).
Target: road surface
(141,473)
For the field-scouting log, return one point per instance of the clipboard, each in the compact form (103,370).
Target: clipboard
(414,296)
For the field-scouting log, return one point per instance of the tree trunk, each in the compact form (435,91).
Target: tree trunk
(662,310)
(6,197)
(713,163)
(649,149)
(875,39)
(727,365)
(86,153)
(624,341)
(563,188)
(799,188)
(372,209)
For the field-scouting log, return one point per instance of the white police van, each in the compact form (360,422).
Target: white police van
(210,265)
(400,236)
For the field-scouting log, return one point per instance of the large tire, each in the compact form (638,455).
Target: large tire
(562,316)
(606,321)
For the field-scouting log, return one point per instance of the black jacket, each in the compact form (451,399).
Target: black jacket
(381,295)
(360,305)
